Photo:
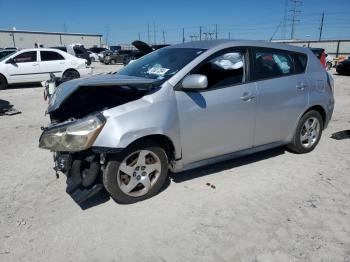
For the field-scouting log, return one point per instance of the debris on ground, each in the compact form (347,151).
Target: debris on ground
(7,109)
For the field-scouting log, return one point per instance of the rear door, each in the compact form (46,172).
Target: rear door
(51,62)
(25,68)
(282,94)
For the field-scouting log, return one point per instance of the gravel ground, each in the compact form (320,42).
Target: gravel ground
(271,206)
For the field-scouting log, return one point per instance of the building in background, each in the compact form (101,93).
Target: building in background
(28,39)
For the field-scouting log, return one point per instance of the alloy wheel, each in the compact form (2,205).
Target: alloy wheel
(310,132)
(138,172)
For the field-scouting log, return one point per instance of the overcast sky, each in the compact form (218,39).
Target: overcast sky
(124,20)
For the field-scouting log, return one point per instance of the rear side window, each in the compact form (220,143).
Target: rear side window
(26,57)
(50,56)
(300,63)
(270,64)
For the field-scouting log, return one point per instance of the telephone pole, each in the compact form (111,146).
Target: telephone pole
(163,37)
(229,35)
(285,19)
(183,35)
(200,33)
(148,38)
(321,27)
(295,13)
(154,33)
(139,36)
(216,31)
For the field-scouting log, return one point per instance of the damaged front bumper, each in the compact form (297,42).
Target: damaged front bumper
(83,171)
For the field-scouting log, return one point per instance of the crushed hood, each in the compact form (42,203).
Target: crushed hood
(66,89)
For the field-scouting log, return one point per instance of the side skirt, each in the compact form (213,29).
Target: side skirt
(179,167)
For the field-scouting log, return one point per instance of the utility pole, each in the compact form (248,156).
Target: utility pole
(200,33)
(295,13)
(139,36)
(229,35)
(285,19)
(216,31)
(107,35)
(183,35)
(163,37)
(154,33)
(148,34)
(321,27)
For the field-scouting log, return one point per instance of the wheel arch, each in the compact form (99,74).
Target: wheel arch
(70,69)
(164,141)
(320,110)
(2,75)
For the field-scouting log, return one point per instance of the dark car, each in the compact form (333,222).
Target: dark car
(120,57)
(343,68)
(6,52)
(97,50)
(76,50)
(125,56)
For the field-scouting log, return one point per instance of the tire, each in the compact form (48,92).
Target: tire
(70,74)
(3,83)
(92,59)
(306,139)
(113,62)
(128,189)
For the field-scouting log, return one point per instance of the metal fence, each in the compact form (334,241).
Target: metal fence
(332,47)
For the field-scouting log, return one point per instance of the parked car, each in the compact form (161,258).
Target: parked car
(35,65)
(75,50)
(6,52)
(97,50)
(182,107)
(321,55)
(121,57)
(93,56)
(343,68)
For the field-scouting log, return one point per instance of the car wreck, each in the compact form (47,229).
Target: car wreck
(182,107)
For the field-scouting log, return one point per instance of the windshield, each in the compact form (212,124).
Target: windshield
(5,54)
(161,64)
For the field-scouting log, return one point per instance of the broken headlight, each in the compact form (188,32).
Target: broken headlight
(74,136)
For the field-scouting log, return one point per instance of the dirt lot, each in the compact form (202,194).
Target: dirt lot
(271,206)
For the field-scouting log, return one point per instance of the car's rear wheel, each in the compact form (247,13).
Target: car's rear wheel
(308,133)
(70,74)
(138,173)
(3,83)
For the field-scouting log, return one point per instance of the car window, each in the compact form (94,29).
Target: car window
(300,63)
(270,64)
(25,57)
(161,64)
(50,56)
(223,70)
(78,51)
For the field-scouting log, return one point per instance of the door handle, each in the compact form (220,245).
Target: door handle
(247,96)
(301,86)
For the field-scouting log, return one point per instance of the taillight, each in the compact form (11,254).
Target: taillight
(323,59)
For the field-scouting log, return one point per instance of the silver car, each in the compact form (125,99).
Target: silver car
(182,107)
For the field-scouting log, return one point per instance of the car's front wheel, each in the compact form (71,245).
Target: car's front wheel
(138,173)
(70,74)
(308,133)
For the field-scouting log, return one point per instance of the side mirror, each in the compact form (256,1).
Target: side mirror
(195,82)
(11,61)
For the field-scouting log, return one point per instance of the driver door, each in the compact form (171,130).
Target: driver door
(219,119)
(25,68)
